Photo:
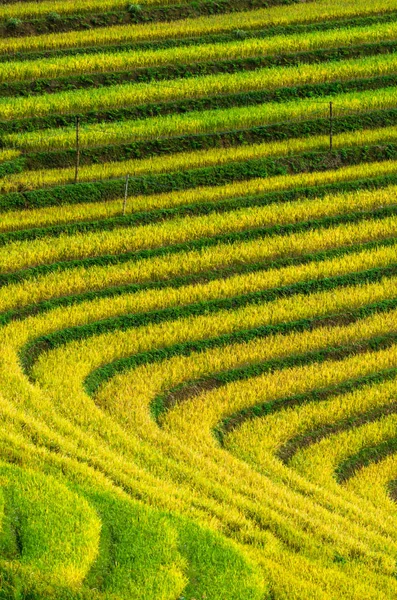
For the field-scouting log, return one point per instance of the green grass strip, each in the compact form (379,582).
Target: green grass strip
(11,167)
(206,176)
(205,141)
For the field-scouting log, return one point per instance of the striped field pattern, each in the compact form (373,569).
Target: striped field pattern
(198,300)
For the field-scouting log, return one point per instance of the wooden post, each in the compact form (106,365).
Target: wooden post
(330,125)
(125,194)
(76,175)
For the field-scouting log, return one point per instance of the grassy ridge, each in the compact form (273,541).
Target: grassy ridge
(293,149)
(316,162)
(162,147)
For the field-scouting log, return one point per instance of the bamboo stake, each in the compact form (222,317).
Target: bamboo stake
(76,175)
(127,179)
(330,125)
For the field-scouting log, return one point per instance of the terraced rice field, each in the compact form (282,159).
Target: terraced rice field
(198,300)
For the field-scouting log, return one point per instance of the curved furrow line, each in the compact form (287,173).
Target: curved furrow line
(96,341)
(301,541)
(367,393)
(300,442)
(187,391)
(347,451)
(118,366)
(170,496)
(126,476)
(366,456)
(191,362)
(323,412)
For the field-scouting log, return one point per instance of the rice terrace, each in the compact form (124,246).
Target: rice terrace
(198,300)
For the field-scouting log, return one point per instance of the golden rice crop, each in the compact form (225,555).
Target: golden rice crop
(22,10)
(114,466)
(359,295)
(204,122)
(82,279)
(104,62)
(80,357)
(47,216)
(8,154)
(157,508)
(319,461)
(210,407)
(23,254)
(196,87)
(269,433)
(277,15)
(189,160)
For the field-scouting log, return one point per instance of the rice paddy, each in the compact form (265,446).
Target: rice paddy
(198,300)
